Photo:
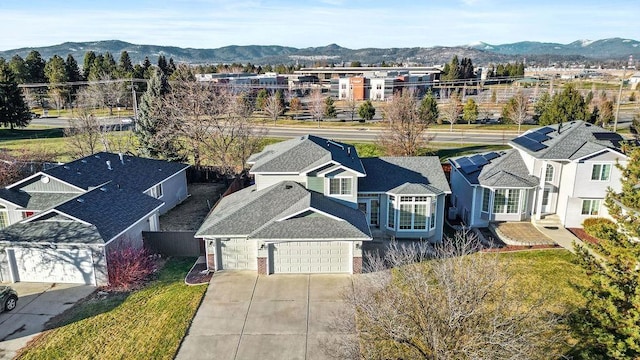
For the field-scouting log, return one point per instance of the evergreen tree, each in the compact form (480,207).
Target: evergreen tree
(329,108)
(71,69)
(109,65)
(566,106)
(35,68)
(56,74)
(171,67)
(428,110)
(261,99)
(147,128)
(366,110)
(162,64)
(87,63)
(14,112)
(19,68)
(607,326)
(125,67)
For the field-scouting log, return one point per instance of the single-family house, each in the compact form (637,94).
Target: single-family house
(58,225)
(560,172)
(315,202)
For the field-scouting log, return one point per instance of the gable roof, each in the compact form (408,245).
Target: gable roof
(94,217)
(135,173)
(495,169)
(567,141)
(304,153)
(422,174)
(279,212)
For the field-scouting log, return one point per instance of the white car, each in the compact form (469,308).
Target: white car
(127,121)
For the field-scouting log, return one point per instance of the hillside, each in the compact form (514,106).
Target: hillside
(480,53)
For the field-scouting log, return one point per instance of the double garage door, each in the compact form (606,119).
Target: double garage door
(287,257)
(311,257)
(52,265)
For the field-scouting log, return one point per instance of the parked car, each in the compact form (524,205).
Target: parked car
(8,298)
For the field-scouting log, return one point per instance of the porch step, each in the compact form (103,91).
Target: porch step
(549,220)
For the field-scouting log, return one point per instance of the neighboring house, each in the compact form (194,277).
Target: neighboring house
(560,171)
(59,224)
(315,202)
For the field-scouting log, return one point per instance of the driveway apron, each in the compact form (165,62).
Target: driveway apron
(249,316)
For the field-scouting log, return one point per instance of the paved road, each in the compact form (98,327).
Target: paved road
(247,316)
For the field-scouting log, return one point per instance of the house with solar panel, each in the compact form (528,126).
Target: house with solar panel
(559,173)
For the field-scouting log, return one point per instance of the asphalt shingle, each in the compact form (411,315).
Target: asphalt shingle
(387,173)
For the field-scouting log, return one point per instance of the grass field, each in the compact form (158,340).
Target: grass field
(145,324)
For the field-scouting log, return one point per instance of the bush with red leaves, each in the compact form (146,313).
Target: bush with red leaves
(129,266)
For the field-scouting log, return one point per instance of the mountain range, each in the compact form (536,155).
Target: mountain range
(581,51)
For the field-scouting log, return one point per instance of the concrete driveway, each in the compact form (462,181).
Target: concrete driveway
(246,316)
(37,303)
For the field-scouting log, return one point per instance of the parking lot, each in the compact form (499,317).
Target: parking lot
(37,303)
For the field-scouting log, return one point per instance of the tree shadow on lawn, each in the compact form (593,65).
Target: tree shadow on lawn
(97,303)
(24,134)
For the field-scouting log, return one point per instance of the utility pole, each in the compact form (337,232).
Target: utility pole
(615,123)
(135,105)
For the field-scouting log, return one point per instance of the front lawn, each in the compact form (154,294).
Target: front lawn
(144,324)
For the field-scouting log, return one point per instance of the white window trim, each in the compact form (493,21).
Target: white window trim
(546,173)
(599,179)
(505,205)
(341,178)
(591,207)
(413,203)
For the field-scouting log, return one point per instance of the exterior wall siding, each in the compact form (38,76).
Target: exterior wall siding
(264,181)
(36,185)
(315,184)
(174,191)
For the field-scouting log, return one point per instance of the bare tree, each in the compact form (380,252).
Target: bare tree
(103,92)
(352,107)
(445,302)
(516,108)
(404,133)
(84,134)
(274,106)
(451,110)
(214,123)
(316,106)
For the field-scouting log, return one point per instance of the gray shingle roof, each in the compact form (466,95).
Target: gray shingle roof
(133,172)
(35,200)
(575,140)
(505,169)
(111,209)
(52,231)
(256,214)
(302,154)
(390,173)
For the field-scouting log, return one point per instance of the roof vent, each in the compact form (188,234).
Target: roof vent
(80,200)
(288,187)
(84,161)
(109,165)
(103,189)
(66,167)
(97,156)
(331,142)
(121,158)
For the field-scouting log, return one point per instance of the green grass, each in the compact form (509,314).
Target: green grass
(145,324)
(547,272)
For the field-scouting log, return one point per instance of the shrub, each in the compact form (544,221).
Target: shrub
(128,265)
(601,228)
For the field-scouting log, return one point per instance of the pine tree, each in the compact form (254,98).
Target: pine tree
(329,108)
(125,67)
(428,110)
(147,127)
(566,106)
(14,112)
(366,110)
(87,63)
(607,326)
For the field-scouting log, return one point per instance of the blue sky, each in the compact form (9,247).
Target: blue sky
(349,23)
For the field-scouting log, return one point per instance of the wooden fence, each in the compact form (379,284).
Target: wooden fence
(173,243)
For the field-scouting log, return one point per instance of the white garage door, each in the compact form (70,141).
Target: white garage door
(49,265)
(238,254)
(312,257)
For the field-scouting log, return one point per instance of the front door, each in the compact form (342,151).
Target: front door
(371,209)
(546,201)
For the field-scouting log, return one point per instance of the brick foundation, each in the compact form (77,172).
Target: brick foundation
(211,262)
(357,265)
(262,266)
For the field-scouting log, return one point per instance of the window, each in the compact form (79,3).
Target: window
(340,186)
(413,212)
(26,214)
(375,208)
(432,221)
(343,86)
(486,197)
(548,175)
(391,213)
(506,201)
(156,191)
(405,216)
(4,220)
(420,217)
(601,172)
(379,86)
(590,206)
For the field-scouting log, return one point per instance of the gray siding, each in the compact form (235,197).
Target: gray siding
(174,191)
(35,185)
(315,184)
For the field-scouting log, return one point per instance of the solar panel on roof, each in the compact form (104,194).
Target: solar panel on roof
(469,169)
(478,160)
(490,156)
(607,136)
(536,136)
(464,162)
(545,130)
(529,144)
